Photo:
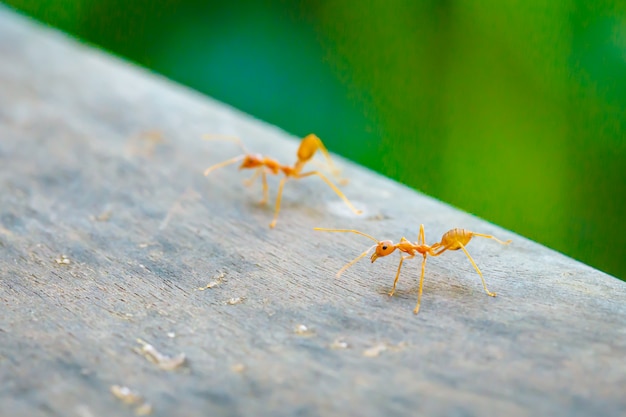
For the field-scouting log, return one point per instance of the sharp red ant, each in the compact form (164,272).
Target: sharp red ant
(454,239)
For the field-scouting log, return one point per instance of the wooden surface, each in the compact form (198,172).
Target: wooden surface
(102,163)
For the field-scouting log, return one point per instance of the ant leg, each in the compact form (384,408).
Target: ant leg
(265,188)
(419,295)
(492,237)
(421,239)
(395,281)
(250,180)
(334,171)
(489,293)
(223,164)
(308,146)
(278,198)
(321,146)
(334,187)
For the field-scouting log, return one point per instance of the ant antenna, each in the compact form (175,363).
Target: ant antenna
(355,260)
(358,258)
(230,138)
(223,164)
(323,229)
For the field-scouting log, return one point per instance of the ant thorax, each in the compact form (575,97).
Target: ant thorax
(252,161)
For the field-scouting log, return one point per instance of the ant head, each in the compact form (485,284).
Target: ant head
(384,248)
(251,161)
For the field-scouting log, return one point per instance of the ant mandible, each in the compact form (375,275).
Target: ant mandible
(453,239)
(264,165)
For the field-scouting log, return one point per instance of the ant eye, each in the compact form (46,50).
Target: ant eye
(385,247)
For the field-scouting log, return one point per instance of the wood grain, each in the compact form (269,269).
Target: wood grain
(102,163)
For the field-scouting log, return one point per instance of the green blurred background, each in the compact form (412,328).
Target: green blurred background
(513,111)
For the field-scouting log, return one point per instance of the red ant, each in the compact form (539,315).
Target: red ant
(264,165)
(454,239)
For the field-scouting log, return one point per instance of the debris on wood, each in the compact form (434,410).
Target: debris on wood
(144,409)
(235,300)
(339,344)
(303,330)
(126,395)
(397,348)
(63,260)
(122,315)
(238,368)
(216,280)
(130,397)
(379,348)
(377,217)
(144,144)
(83,411)
(167,363)
(375,350)
(105,216)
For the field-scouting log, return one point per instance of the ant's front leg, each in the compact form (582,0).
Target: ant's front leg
(265,188)
(249,181)
(254,176)
(395,281)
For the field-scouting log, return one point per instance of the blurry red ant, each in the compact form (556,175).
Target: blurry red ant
(264,165)
(454,239)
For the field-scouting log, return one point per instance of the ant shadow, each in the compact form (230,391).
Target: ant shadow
(440,287)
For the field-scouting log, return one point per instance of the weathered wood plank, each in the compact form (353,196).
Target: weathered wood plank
(82,176)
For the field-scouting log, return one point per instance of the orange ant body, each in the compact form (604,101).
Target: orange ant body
(309,145)
(453,239)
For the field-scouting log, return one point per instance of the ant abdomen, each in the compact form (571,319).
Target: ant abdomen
(453,239)
(309,145)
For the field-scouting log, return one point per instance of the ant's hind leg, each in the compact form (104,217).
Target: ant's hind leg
(278,198)
(419,295)
(489,293)
(334,188)
(309,145)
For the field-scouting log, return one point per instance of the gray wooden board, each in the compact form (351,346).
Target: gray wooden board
(102,162)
